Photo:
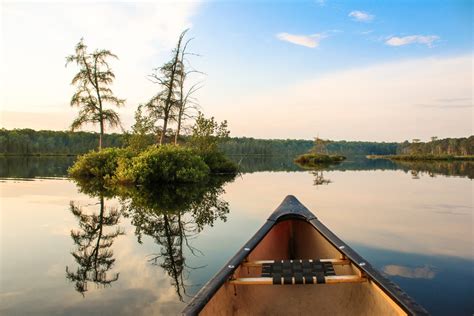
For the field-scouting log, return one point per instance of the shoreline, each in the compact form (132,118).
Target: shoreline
(428,157)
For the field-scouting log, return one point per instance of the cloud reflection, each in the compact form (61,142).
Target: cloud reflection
(424,272)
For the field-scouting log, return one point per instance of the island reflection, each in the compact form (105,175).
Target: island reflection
(171,215)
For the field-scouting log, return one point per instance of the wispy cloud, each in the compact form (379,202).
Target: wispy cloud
(444,106)
(310,41)
(427,40)
(321,3)
(361,16)
(454,100)
(448,103)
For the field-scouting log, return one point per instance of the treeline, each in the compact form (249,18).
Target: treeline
(31,142)
(266,147)
(273,147)
(448,146)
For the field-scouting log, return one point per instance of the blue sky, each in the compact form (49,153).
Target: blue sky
(275,69)
(239,34)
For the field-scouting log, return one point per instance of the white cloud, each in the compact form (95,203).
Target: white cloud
(310,41)
(361,16)
(412,39)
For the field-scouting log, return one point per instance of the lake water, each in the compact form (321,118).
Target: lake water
(146,253)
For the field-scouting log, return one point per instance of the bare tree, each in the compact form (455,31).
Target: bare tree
(186,100)
(319,146)
(164,104)
(93,89)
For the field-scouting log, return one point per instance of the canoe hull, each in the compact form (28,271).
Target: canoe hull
(293,232)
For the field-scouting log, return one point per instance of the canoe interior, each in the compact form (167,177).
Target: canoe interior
(298,239)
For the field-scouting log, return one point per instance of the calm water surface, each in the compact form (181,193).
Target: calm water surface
(72,250)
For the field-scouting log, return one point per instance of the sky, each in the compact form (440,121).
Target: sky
(353,70)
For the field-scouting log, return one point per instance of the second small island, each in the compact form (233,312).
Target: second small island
(318,155)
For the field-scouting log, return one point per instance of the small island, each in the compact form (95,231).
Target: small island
(157,150)
(318,155)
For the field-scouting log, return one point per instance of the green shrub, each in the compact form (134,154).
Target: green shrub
(100,165)
(218,163)
(315,159)
(165,164)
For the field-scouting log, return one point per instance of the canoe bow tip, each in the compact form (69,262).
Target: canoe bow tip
(291,207)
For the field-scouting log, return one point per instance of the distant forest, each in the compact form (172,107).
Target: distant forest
(31,142)
(269,147)
(449,146)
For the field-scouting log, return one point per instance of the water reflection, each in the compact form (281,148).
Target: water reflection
(318,172)
(434,168)
(171,215)
(423,272)
(388,218)
(33,167)
(319,178)
(93,240)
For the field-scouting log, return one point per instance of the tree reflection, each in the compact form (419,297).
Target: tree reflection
(433,168)
(171,216)
(319,178)
(318,173)
(93,240)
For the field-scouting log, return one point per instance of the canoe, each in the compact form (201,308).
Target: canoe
(294,265)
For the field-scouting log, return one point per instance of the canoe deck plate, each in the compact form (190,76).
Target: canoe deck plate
(297,271)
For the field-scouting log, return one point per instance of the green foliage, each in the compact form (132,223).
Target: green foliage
(141,136)
(294,147)
(218,163)
(93,90)
(99,165)
(31,142)
(163,164)
(312,159)
(207,134)
(439,147)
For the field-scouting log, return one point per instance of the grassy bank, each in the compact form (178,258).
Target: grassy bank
(427,157)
